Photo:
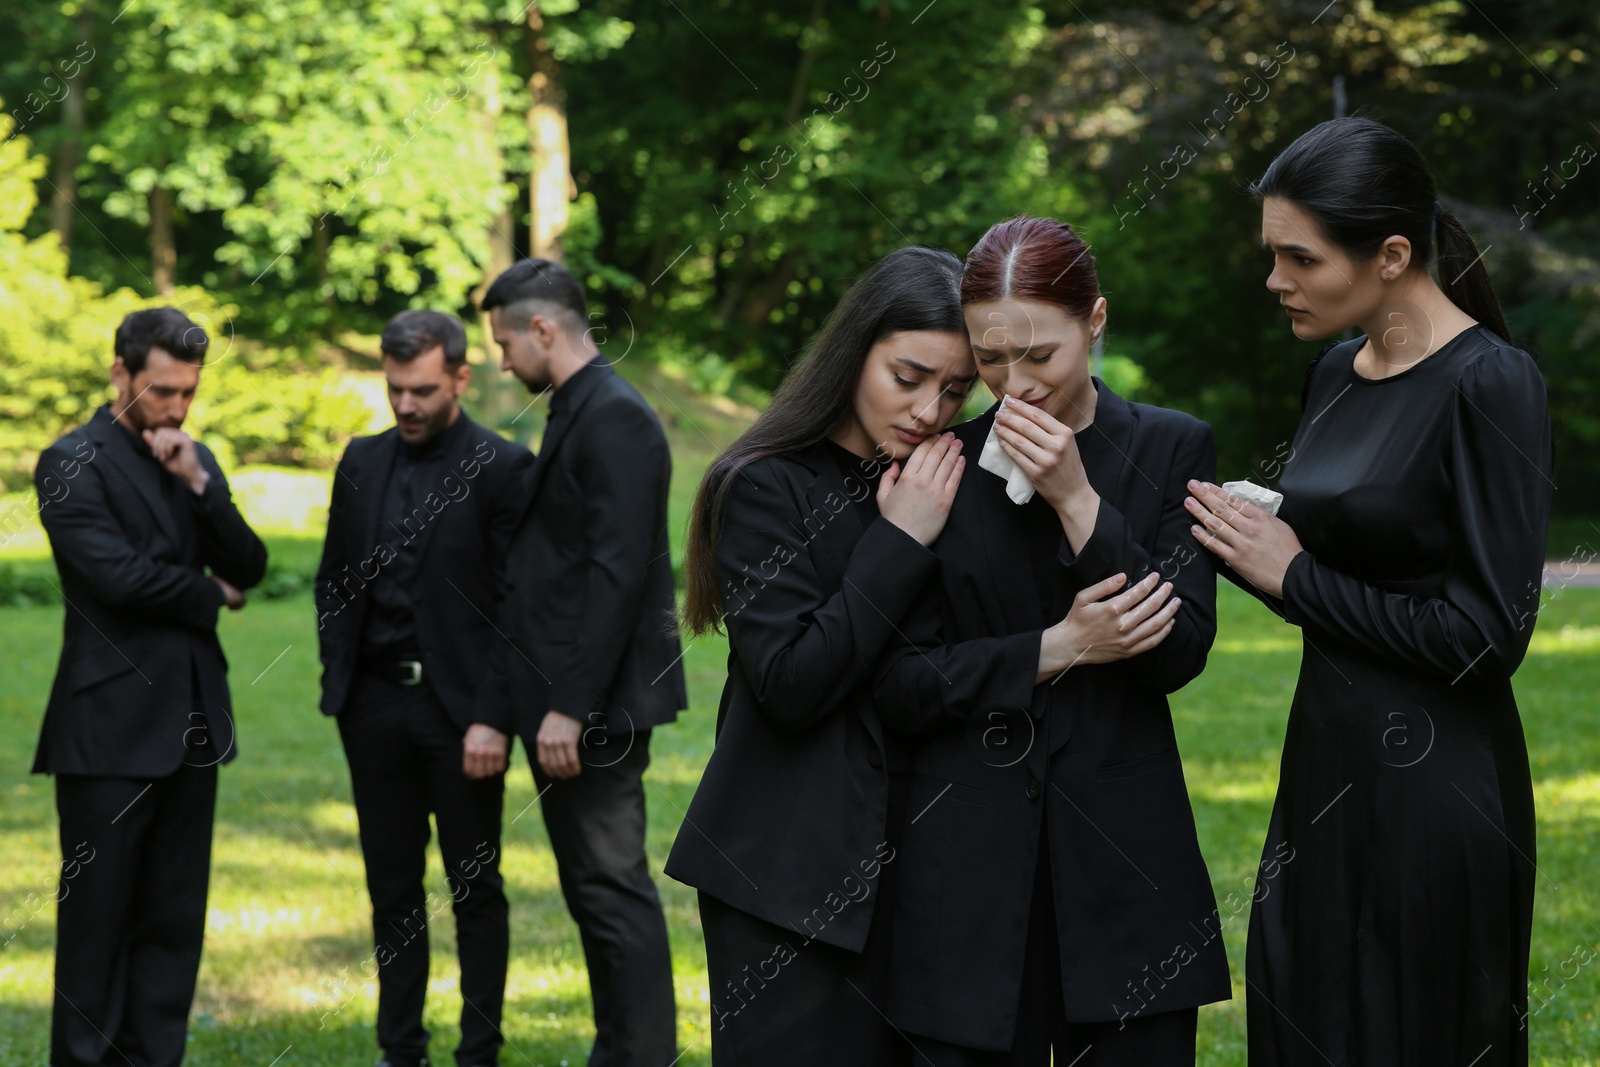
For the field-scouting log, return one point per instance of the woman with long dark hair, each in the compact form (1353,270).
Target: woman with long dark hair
(1408,548)
(1051,893)
(809,542)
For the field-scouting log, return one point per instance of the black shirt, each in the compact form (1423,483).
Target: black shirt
(390,631)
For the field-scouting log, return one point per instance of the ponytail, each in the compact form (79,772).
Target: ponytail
(1365,183)
(1463,277)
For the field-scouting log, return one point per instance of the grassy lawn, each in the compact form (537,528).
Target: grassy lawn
(288,936)
(288,929)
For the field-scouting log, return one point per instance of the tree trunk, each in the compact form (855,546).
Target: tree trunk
(64,201)
(502,245)
(502,397)
(163,253)
(550,185)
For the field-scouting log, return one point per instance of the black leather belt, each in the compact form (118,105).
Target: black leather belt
(398,671)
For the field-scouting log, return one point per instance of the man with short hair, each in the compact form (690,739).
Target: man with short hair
(409,597)
(149,547)
(596,663)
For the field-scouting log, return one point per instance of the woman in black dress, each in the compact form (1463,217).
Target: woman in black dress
(808,542)
(1408,549)
(1051,893)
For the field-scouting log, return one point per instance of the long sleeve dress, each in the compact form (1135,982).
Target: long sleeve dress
(1392,924)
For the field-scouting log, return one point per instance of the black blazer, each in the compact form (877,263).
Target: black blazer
(788,823)
(1138,920)
(139,607)
(460,591)
(593,619)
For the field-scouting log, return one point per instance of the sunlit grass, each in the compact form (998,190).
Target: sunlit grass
(288,941)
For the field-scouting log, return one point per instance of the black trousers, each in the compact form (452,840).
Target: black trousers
(405,762)
(1157,1040)
(131,917)
(596,824)
(778,1000)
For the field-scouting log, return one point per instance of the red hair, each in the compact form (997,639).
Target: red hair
(1032,259)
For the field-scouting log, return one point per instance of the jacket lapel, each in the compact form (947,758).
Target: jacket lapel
(582,385)
(834,526)
(144,475)
(1114,418)
(1003,546)
(831,537)
(376,479)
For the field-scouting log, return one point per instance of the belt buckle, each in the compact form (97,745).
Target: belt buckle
(415,667)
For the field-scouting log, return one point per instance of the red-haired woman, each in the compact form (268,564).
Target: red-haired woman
(1051,892)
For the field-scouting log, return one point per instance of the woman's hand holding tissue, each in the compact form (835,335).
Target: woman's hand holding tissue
(1047,452)
(1257,545)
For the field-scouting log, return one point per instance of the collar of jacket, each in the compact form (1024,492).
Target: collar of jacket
(442,443)
(576,389)
(139,466)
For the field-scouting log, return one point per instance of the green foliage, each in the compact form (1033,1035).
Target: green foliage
(737,163)
(262,405)
(795,147)
(55,330)
(256,405)
(1177,242)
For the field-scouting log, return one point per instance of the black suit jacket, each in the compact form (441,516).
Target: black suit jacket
(788,823)
(593,616)
(141,615)
(1139,925)
(465,524)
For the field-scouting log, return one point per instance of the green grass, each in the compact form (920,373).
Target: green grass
(289,926)
(289,911)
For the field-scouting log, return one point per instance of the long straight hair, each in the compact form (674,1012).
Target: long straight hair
(909,289)
(1366,183)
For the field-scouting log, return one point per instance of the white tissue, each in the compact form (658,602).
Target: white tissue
(1259,495)
(994,460)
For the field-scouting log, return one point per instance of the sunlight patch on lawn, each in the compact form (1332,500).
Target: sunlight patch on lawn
(1232,645)
(25,977)
(1568,799)
(258,921)
(1567,639)
(1251,790)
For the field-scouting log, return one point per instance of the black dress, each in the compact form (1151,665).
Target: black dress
(1392,916)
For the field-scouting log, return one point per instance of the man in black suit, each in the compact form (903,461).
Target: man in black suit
(409,603)
(149,547)
(597,663)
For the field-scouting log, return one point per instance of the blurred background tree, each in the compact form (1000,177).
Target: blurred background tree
(717,172)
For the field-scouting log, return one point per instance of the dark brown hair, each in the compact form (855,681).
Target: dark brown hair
(909,289)
(1365,183)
